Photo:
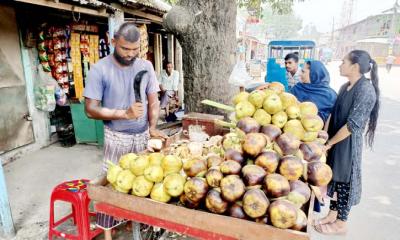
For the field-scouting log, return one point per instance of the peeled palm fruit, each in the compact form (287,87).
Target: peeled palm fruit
(173,184)
(262,117)
(154,173)
(126,160)
(141,187)
(159,194)
(112,172)
(139,165)
(244,109)
(257,98)
(242,96)
(155,158)
(171,164)
(125,179)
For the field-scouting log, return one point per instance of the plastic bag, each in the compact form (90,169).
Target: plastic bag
(61,97)
(45,88)
(239,76)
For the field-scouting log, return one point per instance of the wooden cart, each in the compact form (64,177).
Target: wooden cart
(194,223)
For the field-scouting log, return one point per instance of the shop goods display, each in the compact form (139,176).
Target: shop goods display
(263,170)
(52,50)
(144,41)
(66,52)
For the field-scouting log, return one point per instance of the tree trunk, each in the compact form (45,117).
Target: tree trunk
(206,31)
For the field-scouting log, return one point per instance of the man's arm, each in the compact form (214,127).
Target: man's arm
(160,82)
(94,110)
(153,112)
(162,88)
(153,109)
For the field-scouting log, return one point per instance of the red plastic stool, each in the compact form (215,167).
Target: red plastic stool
(75,193)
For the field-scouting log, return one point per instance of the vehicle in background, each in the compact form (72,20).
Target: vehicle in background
(325,55)
(277,50)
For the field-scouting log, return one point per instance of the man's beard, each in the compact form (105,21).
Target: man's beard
(123,61)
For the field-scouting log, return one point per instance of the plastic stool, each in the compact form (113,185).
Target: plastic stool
(75,193)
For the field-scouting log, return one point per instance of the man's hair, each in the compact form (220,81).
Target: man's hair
(293,56)
(166,64)
(128,31)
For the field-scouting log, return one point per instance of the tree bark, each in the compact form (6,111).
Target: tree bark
(206,31)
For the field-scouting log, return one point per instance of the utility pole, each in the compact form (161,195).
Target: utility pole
(332,33)
(348,12)
(6,221)
(392,32)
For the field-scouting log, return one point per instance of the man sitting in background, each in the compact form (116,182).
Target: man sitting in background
(293,71)
(169,81)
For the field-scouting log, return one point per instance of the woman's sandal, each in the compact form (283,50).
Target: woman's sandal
(324,220)
(330,229)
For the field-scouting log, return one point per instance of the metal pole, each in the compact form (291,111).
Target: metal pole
(392,33)
(6,221)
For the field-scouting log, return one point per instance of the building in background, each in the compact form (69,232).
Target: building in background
(63,39)
(378,34)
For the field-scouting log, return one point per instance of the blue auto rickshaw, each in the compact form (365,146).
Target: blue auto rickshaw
(277,50)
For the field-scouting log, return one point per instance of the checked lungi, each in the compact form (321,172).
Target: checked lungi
(117,144)
(165,98)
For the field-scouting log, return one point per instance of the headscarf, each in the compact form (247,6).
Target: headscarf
(318,90)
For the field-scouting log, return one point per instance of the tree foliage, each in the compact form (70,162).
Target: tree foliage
(278,26)
(172,2)
(277,6)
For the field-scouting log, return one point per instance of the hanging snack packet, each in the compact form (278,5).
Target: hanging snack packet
(57,44)
(42,46)
(58,57)
(46,66)
(41,36)
(43,56)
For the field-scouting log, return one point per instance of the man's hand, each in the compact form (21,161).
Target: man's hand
(155,133)
(135,111)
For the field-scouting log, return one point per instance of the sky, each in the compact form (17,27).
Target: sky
(322,12)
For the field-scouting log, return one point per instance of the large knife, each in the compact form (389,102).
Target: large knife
(136,85)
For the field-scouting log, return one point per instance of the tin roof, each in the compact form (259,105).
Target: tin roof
(154,4)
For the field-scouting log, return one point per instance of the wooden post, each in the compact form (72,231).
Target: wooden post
(157,54)
(178,67)
(170,45)
(6,221)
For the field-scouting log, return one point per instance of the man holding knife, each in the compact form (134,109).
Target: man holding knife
(122,90)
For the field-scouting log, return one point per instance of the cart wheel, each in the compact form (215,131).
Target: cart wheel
(146,232)
(136,231)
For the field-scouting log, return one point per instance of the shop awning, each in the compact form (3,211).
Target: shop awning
(92,7)
(158,5)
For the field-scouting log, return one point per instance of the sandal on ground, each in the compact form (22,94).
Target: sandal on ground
(330,229)
(321,221)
